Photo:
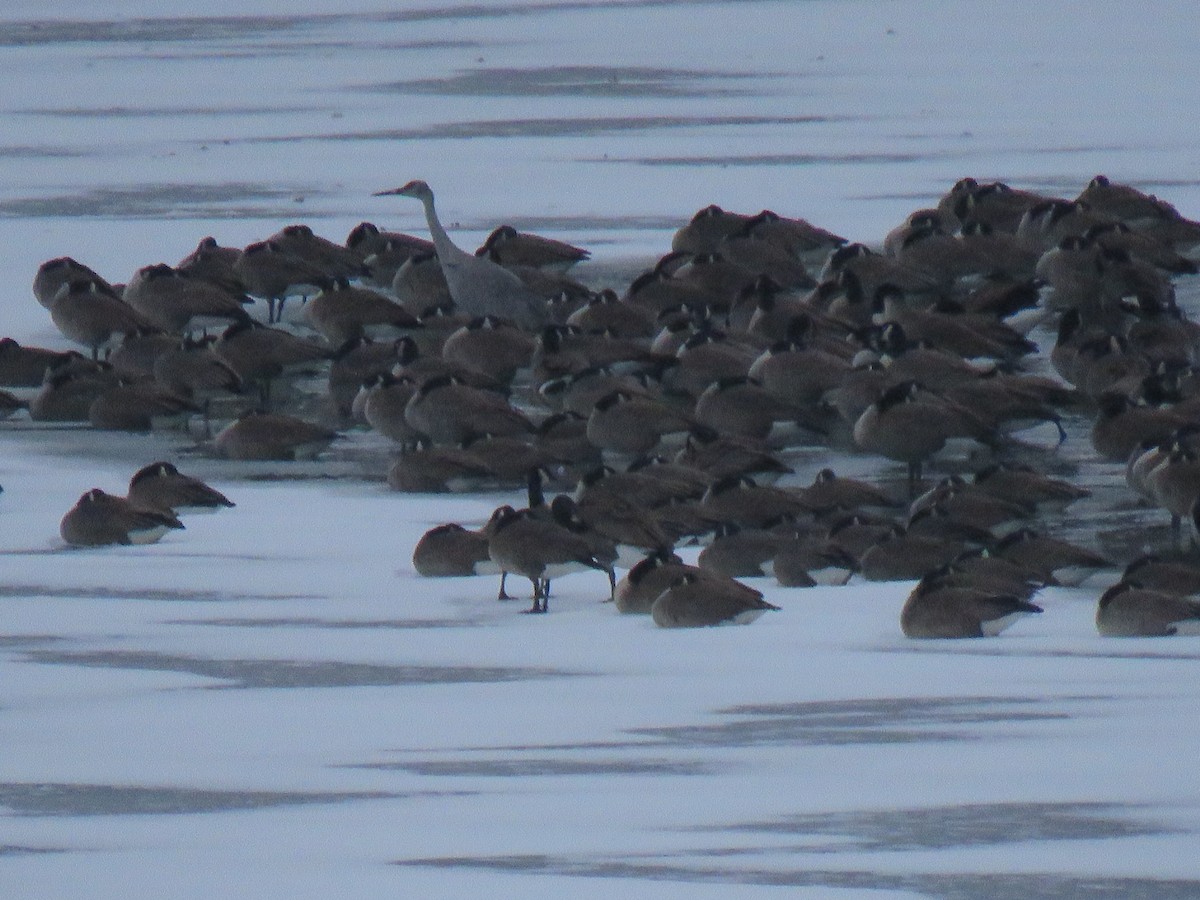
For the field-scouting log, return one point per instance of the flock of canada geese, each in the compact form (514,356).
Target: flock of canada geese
(665,410)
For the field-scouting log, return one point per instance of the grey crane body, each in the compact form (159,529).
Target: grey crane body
(479,286)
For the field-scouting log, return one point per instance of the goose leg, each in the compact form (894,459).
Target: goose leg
(539,596)
(503,595)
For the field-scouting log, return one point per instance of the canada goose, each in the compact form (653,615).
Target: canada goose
(936,611)
(367,238)
(99,518)
(918,220)
(88,314)
(68,391)
(969,504)
(195,370)
(909,424)
(948,257)
(903,359)
(707,228)
(427,468)
(739,499)
(273,273)
(854,533)
(636,592)
(900,555)
(491,347)
(741,405)
(10,404)
(603,548)
(860,272)
(510,247)
(741,552)
(175,303)
(385,254)
(957,334)
(656,292)
(26,366)
(801,563)
(633,424)
(564,350)
(761,258)
(707,356)
(981,569)
(139,406)
(479,286)
(829,492)
(212,263)
(55,274)
(1072,277)
(1129,610)
(1022,484)
(272,436)
(1050,558)
(994,204)
(1005,405)
(936,521)
(411,362)
(1047,224)
(799,238)
(800,374)
(384,398)
(137,353)
(637,484)
(331,258)
(449,411)
(564,436)
(695,602)
(510,457)
(580,391)
(447,551)
(343,313)
(858,390)
(1174,483)
(356,362)
(420,286)
(1107,364)
(1141,245)
(722,455)
(615,512)
(682,480)
(1126,203)
(1121,425)
(1172,576)
(605,311)
(162,487)
(715,274)
(256,351)
(541,550)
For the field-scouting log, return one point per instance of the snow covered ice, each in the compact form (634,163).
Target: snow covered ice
(271,703)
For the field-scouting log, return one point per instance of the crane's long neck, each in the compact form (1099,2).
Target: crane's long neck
(446,248)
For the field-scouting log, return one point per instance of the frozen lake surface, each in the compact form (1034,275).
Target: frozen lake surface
(271,703)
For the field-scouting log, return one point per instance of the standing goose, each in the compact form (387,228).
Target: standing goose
(100,518)
(524,543)
(55,274)
(479,286)
(90,314)
(173,302)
